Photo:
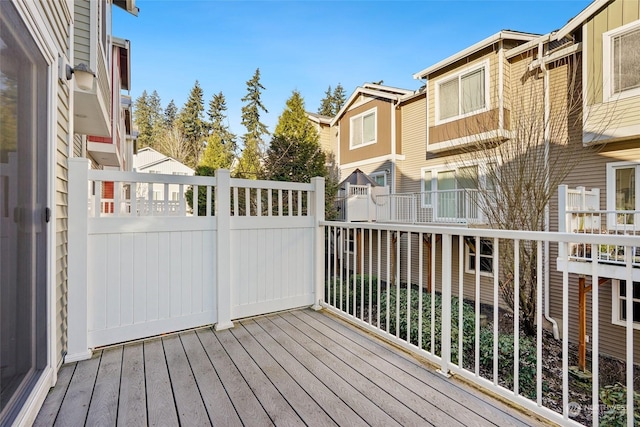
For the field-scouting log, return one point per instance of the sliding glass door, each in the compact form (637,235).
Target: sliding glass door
(23,214)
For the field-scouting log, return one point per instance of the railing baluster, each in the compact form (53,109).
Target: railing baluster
(420,290)
(477,303)
(461,244)
(516,317)
(496,306)
(409,287)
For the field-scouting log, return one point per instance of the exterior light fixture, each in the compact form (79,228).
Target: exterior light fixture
(84,75)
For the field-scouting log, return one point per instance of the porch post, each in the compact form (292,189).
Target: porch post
(446,304)
(318,212)
(562,218)
(223,255)
(77,291)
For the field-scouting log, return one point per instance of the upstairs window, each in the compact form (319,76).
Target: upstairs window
(363,129)
(621,61)
(464,94)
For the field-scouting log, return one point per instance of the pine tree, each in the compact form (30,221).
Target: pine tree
(217,121)
(249,165)
(170,114)
(326,104)
(146,115)
(339,98)
(217,154)
(191,123)
(293,123)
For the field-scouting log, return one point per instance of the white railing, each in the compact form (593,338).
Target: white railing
(431,207)
(403,282)
(579,213)
(142,267)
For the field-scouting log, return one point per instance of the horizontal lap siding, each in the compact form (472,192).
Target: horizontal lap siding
(82,31)
(590,172)
(414,144)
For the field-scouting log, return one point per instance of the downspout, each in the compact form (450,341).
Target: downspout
(547,113)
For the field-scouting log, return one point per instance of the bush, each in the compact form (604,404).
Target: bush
(345,292)
(614,397)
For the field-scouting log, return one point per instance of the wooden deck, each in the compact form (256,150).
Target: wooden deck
(294,368)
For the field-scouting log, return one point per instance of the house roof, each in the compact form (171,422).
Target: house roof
(501,35)
(357,177)
(319,118)
(128,5)
(580,18)
(375,91)
(146,156)
(166,160)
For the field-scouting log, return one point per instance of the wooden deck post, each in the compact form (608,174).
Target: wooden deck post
(223,256)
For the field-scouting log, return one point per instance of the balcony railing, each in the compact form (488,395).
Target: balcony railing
(432,207)
(411,284)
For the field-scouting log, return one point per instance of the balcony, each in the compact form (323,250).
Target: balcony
(455,207)
(250,258)
(580,214)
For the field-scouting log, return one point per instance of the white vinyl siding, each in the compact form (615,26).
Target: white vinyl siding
(363,129)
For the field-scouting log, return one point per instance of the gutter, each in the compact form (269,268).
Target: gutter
(547,112)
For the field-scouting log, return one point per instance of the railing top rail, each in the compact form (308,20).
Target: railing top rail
(605,239)
(601,212)
(119,176)
(271,185)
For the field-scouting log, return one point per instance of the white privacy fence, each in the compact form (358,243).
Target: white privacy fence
(358,202)
(443,206)
(403,282)
(230,248)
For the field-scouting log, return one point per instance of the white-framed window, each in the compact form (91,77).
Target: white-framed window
(621,61)
(481,256)
(451,191)
(380,178)
(363,129)
(463,94)
(348,241)
(174,196)
(622,193)
(619,299)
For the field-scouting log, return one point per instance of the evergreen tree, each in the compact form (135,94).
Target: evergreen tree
(146,115)
(217,154)
(326,104)
(217,121)
(294,153)
(249,165)
(339,98)
(170,114)
(191,123)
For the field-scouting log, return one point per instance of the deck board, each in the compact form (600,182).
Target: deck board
(294,368)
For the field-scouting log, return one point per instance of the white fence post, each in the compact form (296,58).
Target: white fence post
(223,255)
(77,326)
(318,212)
(446,304)
(562,217)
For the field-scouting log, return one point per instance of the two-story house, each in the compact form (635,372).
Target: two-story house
(56,87)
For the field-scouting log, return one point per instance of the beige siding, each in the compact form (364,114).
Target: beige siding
(81,34)
(414,144)
(382,146)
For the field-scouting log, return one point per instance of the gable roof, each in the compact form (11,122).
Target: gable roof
(357,177)
(375,91)
(501,35)
(580,18)
(319,118)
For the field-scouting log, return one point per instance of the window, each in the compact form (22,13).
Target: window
(380,178)
(464,94)
(622,193)
(452,193)
(619,298)
(363,129)
(486,255)
(621,61)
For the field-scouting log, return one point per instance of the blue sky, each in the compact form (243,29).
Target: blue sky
(309,45)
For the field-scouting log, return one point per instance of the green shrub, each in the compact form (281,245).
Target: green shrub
(345,292)
(614,399)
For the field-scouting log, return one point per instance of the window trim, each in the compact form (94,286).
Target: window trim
(361,116)
(458,74)
(607,63)
(467,258)
(615,305)
(435,170)
(424,190)
(611,192)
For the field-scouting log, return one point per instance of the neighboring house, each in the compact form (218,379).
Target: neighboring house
(148,160)
(49,110)
(482,94)
(327,136)
(609,34)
